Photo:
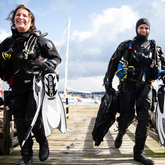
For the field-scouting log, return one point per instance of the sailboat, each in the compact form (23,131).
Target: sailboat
(75,99)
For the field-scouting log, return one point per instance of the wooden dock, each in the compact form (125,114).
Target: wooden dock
(76,147)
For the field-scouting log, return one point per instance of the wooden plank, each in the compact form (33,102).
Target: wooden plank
(7,148)
(6,133)
(14,141)
(67,108)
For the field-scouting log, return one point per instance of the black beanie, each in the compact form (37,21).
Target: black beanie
(140,22)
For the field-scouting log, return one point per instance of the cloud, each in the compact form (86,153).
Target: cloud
(90,51)
(3,34)
(104,33)
(82,35)
(91,84)
(111,22)
(96,46)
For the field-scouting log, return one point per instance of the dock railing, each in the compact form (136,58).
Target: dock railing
(9,138)
(66,106)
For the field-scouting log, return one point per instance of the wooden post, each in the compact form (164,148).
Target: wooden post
(6,130)
(67,107)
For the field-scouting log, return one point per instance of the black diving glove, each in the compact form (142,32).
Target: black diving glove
(108,87)
(52,64)
(40,65)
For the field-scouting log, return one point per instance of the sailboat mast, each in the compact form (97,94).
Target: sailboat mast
(66,60)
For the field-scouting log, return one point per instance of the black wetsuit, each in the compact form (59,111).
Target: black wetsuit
(137,88)
(17,66)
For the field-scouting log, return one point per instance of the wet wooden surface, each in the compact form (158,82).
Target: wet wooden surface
(77,147)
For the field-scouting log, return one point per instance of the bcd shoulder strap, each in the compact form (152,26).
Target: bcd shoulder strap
(128,47)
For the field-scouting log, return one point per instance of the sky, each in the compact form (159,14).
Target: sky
(97,27)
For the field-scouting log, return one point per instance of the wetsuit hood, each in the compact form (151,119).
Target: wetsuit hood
(140,22)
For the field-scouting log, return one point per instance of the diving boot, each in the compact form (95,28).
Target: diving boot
(44,150)
(38,131)
(142,159)
(24,161)
(119,139)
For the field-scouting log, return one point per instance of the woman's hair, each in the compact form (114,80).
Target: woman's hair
(11,16)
